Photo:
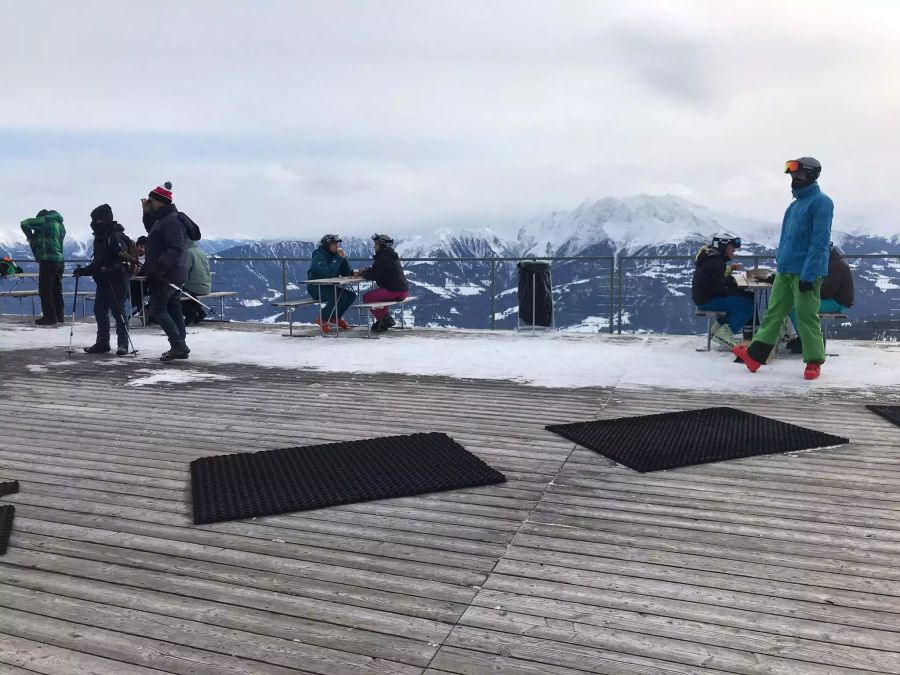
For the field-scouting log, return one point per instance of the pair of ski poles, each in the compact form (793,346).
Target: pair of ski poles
(118,312)
(118,309)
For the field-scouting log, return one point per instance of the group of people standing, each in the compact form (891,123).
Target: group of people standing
(811,278)
(163,257)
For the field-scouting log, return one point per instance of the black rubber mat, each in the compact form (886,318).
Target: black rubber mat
(656,442)
(10,488)
(6,519)
(889,412)
(229,487)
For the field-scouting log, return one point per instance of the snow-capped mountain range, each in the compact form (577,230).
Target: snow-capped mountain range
(639,231)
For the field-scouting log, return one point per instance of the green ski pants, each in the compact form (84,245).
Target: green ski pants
(786,295)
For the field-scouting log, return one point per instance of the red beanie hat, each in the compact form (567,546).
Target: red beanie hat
(162,194)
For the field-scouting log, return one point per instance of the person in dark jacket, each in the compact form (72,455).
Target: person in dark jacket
(46,235)
(387,273)
(714,289)
(109,268)
(802,264)
(136,292)
(329,261)
(166,267)
(837,293)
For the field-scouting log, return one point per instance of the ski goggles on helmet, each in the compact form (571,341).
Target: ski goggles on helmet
(792,165)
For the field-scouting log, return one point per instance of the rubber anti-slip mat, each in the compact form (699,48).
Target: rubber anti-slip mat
(669,440)
(6,520)
(245,485)
(889,412)
(9,488)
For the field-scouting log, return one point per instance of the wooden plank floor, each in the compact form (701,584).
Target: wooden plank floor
(776,564)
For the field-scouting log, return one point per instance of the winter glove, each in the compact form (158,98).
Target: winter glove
(79,271)
(806,286)
(770,279)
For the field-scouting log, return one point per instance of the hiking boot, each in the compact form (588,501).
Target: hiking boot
(172,354)
(45,321)
(795,345)
(388,322)
(812,372)
(344,325)
(324,326)
(378,326)
(740,351)
(122,351)
(96,349)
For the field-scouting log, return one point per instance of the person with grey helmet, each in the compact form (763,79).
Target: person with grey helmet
(802,264)
(329,261)
(387,273)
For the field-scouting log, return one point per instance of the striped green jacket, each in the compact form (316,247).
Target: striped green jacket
(45,236)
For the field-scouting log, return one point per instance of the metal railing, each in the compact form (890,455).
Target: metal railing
(618,274)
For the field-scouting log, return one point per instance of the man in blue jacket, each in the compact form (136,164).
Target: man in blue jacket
(802,264)
(329,261)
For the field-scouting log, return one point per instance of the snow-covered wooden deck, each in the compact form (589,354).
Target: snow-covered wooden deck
(776,564)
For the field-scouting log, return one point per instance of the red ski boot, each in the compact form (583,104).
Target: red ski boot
(752,364)
(812,372)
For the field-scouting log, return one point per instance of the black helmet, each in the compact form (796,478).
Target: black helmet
(329,239)
(810,165)
(383,240)
(721,240)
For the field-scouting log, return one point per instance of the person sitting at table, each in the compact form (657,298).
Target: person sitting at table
(330,261)
(714,289)
(136,288)
(199,282)
(8,267)
(836,295)
(387,273)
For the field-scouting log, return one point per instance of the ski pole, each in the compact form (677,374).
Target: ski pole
(191,297)
(120,315)
(74,309)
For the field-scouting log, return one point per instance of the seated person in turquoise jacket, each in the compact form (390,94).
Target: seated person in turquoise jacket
(329,261)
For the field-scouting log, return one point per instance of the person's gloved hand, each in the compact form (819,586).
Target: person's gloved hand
(79,271)
(806,286)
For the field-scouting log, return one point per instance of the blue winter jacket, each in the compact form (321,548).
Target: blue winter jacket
(327,265)
(806,234)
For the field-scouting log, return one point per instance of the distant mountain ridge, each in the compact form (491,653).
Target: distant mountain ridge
(451,290)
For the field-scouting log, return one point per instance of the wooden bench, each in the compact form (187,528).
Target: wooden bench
(215,295)
(710,315)
(289,306)
(21,295)
(364,306)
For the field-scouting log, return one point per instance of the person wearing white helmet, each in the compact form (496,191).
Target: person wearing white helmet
(714,289)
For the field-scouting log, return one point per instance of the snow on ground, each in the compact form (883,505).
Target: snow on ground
(173,376)
(545,359)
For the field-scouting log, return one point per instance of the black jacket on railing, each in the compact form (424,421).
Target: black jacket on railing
(838,285)
(387,272)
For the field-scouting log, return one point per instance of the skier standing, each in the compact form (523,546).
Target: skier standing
(109,267)
(166,265)
(46,234)
(802,263)
(387,273)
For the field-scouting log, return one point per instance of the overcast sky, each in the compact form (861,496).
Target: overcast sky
(295,118)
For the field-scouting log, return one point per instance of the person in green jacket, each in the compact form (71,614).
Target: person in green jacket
(329,261)
(199,282)
(46,234)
